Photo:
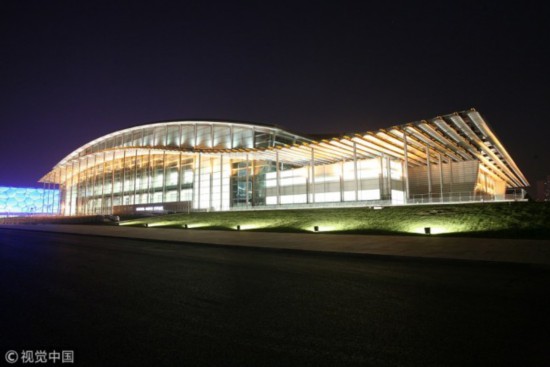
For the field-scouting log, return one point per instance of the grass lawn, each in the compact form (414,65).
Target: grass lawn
(510,220)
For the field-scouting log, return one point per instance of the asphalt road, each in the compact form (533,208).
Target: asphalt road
(129,302)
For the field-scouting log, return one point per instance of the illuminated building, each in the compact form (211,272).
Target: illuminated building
(183,166)
(17,201)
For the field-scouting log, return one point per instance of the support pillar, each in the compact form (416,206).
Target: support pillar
(179,177)
(199,180)
(247,178)
(451,176)
(135,176)
(342,180)
(211,182)
(440,177)
(123,177)
(312,163)
(355,171)
(406,168)
(149,177)
(164,176)
(79,198)
(278,178)
(388,178)
(429,172)
(71,195)
(112,182)
(94,183)
(221,181)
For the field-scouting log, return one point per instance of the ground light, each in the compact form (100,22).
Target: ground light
(245,227)
(158,224)
(325,227)
(429,229)
(197,225)
(184,226)
(238,227)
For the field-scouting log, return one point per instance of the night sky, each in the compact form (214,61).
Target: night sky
(72,71)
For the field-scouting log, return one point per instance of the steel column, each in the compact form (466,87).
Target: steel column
(312,163)
(278,178)
(112,182)
(247,178)
(406,168)
(355,171)
(429,171)
(441,176)
(180,141)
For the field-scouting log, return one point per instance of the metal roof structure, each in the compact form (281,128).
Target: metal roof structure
(460,136)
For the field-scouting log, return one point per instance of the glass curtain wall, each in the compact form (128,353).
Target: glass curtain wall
(163,163)
(120,181)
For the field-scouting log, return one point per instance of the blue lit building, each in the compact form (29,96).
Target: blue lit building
(17,201)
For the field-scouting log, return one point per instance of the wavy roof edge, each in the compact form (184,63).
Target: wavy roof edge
(472,137)
(207,120)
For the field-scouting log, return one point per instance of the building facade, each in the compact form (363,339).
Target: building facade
(184,166)
(23,201)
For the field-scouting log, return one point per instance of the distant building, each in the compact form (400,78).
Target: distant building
(17,201)
(184,166)
(543,189)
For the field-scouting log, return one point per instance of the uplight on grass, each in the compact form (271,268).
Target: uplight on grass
(325,227)
(448,219)
(158,224)
(197,225)
(245,227)
(429,229)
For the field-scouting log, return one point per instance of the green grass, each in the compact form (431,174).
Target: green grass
(501,220)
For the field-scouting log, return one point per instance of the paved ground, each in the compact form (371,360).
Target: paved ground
(502,250)
(123,302)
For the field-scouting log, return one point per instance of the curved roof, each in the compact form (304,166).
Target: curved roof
(194,139)
(460,136)
(207,120)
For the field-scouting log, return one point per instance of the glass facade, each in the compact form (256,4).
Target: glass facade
(172,166)
(26,201)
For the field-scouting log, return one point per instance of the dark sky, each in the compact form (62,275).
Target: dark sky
(71,71)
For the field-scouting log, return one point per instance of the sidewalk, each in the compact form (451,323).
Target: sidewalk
(484,249)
